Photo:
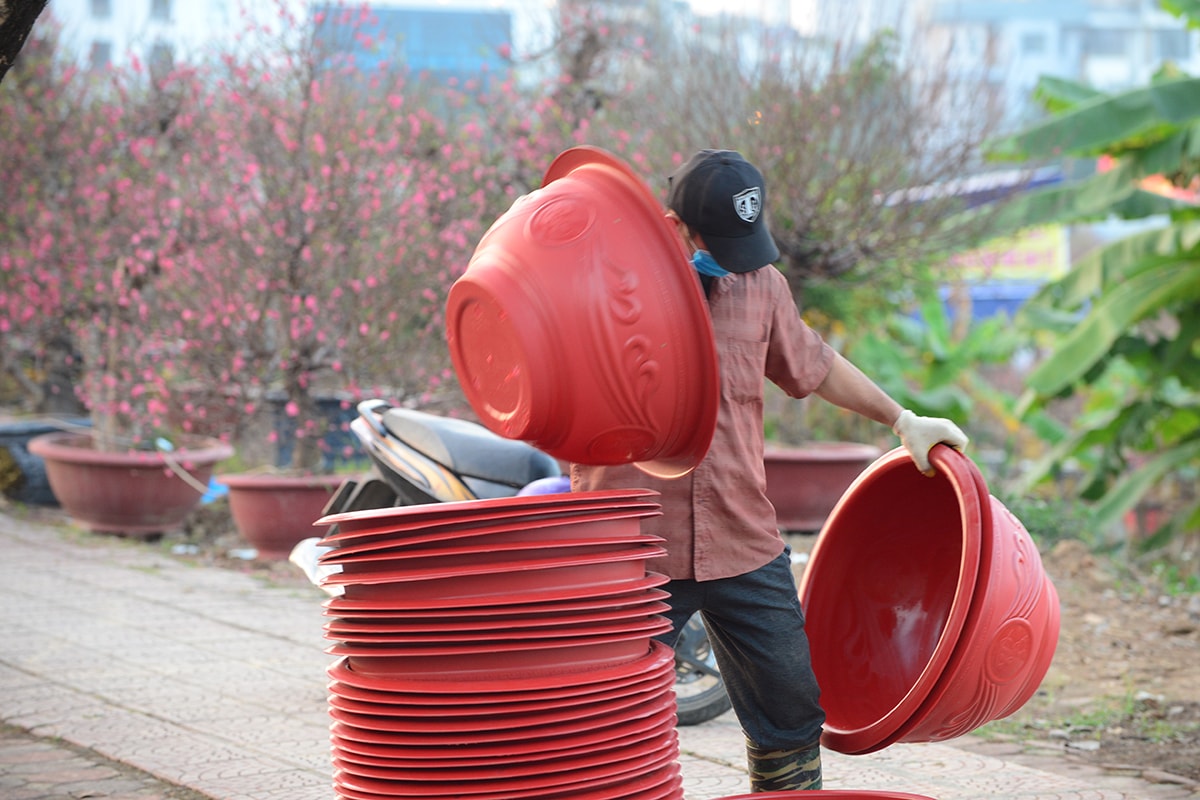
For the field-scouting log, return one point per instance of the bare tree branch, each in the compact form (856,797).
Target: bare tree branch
(16,20)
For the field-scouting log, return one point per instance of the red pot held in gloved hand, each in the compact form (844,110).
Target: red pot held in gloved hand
(928,610)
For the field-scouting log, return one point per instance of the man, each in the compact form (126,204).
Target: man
(725,555)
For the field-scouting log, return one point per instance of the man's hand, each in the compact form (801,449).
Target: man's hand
(920,434)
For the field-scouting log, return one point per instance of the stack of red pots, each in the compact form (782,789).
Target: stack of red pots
(501,649)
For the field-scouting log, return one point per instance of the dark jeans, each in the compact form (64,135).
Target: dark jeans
(756,628)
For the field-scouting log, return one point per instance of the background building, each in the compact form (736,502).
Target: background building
(1106,44)
(442,43)
(451,38)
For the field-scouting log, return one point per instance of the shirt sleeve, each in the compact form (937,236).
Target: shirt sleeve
(798,359)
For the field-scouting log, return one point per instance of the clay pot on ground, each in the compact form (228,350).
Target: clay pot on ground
(129,493)
(805,482)
(273,512)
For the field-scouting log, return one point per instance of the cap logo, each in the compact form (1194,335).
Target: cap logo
(748,203)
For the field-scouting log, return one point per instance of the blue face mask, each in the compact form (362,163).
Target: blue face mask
(705,264)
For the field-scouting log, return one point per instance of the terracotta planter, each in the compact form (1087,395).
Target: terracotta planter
(805,483)
(274,512)
(128,493)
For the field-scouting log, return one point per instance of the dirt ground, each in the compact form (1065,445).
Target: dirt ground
(1123,690)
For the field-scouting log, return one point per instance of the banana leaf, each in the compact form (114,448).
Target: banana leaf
(1125,494)
(1186,519)
(1166,155)
(1114,192)
(1147,113)
(1143,294)
(1188,9)
(1071,441)
(1140,204)
(1119,261)
(1060,94)
(1091,198)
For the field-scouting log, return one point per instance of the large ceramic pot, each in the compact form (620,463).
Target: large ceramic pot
(130,493)
(804,483)
(275,512)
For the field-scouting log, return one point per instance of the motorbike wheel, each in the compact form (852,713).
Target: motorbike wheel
(699,691)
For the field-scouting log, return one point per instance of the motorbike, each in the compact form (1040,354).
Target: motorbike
(417,458)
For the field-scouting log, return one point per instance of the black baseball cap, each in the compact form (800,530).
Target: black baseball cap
(722,196)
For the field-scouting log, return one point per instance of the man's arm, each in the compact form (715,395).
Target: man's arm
(848,387)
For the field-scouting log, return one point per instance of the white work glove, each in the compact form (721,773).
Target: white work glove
(920,434)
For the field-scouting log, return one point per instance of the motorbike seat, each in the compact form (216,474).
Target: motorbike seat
(470,449)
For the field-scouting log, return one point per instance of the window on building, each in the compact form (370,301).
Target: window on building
(1106,42)
(100,55)
(160,9)
(162,59)
(1033,44)
(101,9)
(1173,45)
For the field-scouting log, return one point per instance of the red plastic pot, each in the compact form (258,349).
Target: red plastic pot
(618,527)
(655,659)
(580,327)
(1007,644)
(483,575)
(403,521)
(928,611)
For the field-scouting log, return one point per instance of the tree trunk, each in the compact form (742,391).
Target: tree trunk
(16,20)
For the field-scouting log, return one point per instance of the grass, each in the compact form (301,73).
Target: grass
(1130,715)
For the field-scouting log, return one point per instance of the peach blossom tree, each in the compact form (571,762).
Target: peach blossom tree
(91,230)
(340,207)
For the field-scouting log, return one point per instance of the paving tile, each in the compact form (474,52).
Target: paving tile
(206,680)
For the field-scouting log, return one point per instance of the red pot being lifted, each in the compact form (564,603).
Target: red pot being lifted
(580,327)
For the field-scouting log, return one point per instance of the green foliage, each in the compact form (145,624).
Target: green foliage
(1050,518)
(930,367)
(1091,123)
(1189,10)
(1175,581)
(1124,323)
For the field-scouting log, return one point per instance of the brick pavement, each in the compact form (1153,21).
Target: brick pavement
(34,768)
(125,673)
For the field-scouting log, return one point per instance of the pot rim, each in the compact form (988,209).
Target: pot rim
(65,446)
(823,451)
(267,480)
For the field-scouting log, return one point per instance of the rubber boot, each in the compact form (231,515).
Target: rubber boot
(783,770)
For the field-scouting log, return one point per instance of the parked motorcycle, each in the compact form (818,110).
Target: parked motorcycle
(420,458)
